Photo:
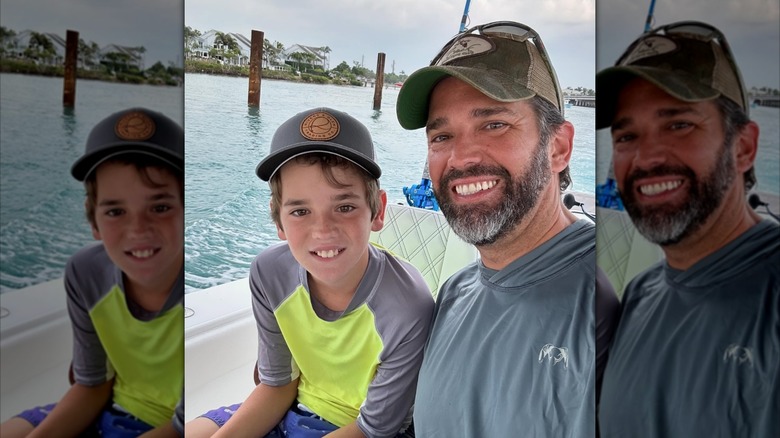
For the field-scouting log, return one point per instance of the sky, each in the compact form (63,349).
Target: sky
(157,25)
(752,28)
(410,32)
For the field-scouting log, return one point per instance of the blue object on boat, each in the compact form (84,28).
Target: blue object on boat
(607,195)
(421,195)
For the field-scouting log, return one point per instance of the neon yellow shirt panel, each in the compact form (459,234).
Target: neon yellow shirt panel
(337,360)
(147,357)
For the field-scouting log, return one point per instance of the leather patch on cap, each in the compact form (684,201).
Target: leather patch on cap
(320,126)
(649,47)
(471,45)
(135,126)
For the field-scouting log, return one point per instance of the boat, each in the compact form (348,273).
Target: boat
(220,336)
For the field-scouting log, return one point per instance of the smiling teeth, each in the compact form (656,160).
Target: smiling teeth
(654,189)
(142,254)
(470,189)
(329,254)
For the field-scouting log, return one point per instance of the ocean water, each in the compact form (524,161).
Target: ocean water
(227,220)
(41,206)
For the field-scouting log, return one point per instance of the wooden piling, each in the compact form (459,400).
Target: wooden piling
(71,58)
(255,68)
(380,80)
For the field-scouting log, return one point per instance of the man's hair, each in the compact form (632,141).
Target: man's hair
(327,163)
(142,164)
(734,119)
(548,120)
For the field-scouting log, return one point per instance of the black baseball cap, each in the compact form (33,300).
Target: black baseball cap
(320,130)
(132,131)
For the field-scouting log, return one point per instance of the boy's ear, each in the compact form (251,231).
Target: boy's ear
(379,220)
(279,229)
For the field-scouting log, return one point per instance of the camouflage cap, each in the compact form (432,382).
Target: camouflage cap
(506,61)
(689,60)
(132,131)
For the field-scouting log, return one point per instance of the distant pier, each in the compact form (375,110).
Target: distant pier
(586,101)
(765,100)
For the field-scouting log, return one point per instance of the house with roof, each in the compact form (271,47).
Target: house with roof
(314,56)
(44,48)
(217,45)
(114,54)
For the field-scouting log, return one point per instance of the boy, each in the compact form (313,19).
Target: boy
(125,294)
(341,323)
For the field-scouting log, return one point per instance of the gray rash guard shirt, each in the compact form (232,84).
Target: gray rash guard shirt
(360,364)
(513,352)
(697,352)
(113,337)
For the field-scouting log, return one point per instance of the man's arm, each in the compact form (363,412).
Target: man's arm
(263,409)
(607,318)
(77,410)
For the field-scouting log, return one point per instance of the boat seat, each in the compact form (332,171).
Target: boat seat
(424,238)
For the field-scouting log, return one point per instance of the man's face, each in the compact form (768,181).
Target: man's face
(142,227)
(485,161)
(671,162)
(327,227)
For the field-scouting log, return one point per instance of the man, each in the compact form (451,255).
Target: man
(513,347)
(697,352)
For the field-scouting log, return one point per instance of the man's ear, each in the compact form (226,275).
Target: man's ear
(746,146)
(279,229)
(379,220)
(561,145)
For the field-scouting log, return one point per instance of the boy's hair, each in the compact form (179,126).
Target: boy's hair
(142,164)
(327,163)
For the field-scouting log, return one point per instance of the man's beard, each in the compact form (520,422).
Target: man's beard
(670,224)
(484,224)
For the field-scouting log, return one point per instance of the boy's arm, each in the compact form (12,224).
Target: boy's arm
(263,409)
(390,395)
(77,410)
(351,430)
(165,431)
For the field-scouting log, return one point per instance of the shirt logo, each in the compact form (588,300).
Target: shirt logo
(134,126)
(739,355)
(554,354)
(320,126)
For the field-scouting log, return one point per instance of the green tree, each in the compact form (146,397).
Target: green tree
(271,51)
(190,38)
(39,47)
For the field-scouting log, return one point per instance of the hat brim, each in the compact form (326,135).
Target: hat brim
(87,164)
(610,81)
(414,97)
(272,163)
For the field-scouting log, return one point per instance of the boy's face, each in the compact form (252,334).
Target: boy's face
(142,227)
(327,227)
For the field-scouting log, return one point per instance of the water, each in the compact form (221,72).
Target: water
(767,160)
(227,216)
(42,210)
